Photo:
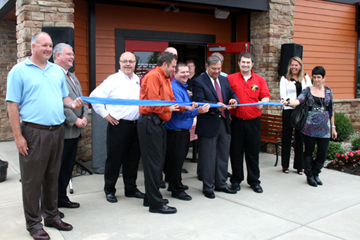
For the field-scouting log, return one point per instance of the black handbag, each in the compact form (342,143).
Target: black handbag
(299,115)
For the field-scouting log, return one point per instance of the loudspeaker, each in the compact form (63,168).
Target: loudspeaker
(61,35)
(288,50)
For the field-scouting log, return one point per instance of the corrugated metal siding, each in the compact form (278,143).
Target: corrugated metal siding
(327,32)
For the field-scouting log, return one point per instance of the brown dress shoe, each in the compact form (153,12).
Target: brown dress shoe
(40,235)
(60,225)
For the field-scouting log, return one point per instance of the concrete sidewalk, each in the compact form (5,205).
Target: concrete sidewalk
(288,208)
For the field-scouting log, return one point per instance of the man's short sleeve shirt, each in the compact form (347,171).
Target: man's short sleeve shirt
(250,91)
(39,92)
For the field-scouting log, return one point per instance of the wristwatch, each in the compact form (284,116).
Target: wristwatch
(288,103)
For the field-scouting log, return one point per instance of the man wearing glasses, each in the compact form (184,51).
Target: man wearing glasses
(122,139)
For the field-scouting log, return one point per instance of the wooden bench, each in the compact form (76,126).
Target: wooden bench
(271,131)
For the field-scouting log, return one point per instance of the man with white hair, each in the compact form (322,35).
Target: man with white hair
(76,119)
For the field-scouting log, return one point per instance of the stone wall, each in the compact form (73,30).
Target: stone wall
(269,30)
(84,147)
(32,15)
(7,61)
(351,109)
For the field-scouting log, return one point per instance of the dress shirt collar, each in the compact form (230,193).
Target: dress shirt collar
(161,71)
(217,79)
(248,78)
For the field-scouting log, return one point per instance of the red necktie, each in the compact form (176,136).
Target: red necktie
(68,74)
(218,91)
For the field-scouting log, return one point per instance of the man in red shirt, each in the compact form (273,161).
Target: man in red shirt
(156,85)
(245,126)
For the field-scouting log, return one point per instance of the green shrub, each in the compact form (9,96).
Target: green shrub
(356,143)
(334,147)
(344,127)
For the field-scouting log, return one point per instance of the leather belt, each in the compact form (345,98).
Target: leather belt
(178,130)
(145,116)
(128,121)
(44,127)
(318,109)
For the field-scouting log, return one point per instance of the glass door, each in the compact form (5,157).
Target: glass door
(146,53)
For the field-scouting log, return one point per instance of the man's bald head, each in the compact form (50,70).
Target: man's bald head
(171,50)
(127,63)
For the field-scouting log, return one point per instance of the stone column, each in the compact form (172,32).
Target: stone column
(7,61)
(268,31)
(32,15)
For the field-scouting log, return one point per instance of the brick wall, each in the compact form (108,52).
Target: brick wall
(7,61)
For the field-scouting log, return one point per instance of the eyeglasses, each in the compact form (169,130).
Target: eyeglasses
(190,65)
(131,61)
(70,54)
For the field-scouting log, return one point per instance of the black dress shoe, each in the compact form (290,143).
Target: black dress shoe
(317,180)
(163,209)
(183,187)
(135,194)
(40,235)
(235,186)
(210,195)
(182,196)
(226,190)
(111,198)
(162,184)
(61,214)
(184,170)
(257,188)
(146,202)
(60,225)
(229,175)
(69,204)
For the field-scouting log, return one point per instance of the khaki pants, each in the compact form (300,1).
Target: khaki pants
(39,175)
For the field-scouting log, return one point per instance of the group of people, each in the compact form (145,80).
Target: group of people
(44,96)
(296,88)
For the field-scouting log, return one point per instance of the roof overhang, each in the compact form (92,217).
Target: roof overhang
(6,6)
(260,5)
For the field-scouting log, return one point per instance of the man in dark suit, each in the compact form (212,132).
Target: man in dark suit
(76,119)
(213,128)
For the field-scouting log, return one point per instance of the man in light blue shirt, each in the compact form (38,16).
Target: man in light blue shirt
(37,94)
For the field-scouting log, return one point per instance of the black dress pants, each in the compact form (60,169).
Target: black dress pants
(322,147)
(152,137)
(122,149)
(67,165)
(245,138)
(176,151)
(287,131)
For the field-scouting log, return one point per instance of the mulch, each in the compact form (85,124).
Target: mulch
(346,169)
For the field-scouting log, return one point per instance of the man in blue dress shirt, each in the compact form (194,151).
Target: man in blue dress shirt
(178,135)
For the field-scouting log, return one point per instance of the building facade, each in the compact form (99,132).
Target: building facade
(104,29)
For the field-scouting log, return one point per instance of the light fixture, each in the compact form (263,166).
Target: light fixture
(172,7)
(216,48)
(221,14)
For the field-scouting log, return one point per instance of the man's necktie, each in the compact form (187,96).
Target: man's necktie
(218,91)
(68,74)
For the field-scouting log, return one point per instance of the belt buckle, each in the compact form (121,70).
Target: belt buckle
(51,128)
